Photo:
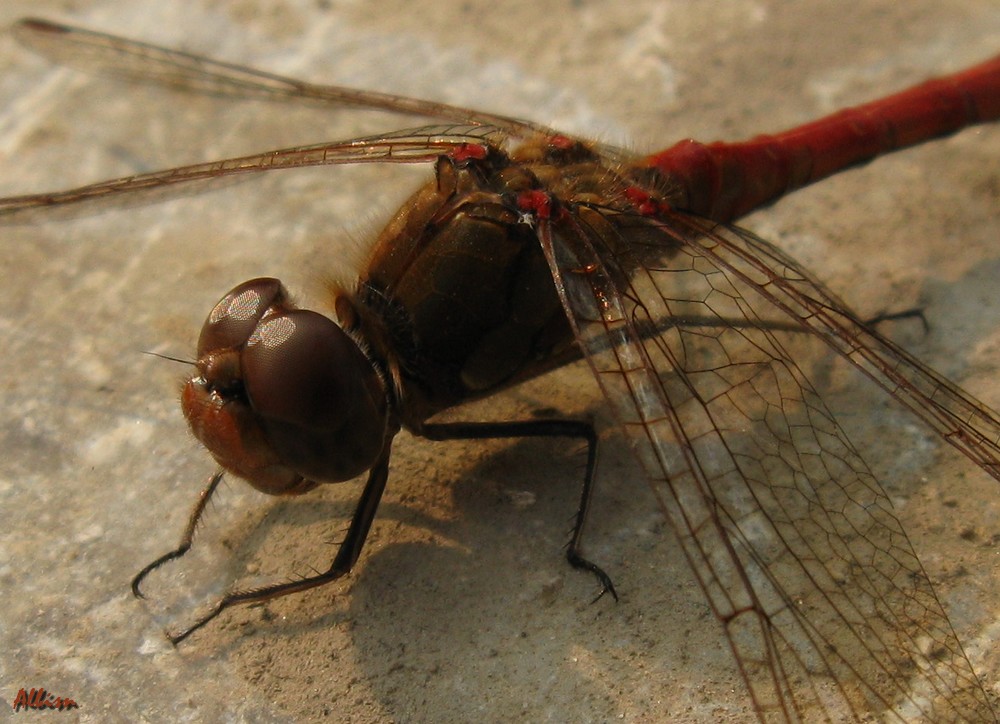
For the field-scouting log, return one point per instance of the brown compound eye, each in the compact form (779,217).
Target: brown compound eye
(312,389)
(234,318)
(283,397)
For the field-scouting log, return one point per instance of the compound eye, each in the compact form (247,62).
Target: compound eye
(233,320)
(295,365)
(283,397)
(308,384)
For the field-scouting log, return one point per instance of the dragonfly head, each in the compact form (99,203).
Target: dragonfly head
(283,397)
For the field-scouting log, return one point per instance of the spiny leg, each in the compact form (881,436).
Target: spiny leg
(540,428)
(347,553)
(185,544)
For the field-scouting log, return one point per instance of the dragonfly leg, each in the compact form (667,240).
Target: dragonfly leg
(185,545)
(911,313)
(347,553)
(541,428)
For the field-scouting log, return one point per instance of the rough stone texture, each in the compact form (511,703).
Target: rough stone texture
(461,607)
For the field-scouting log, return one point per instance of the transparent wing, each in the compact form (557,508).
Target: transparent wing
(116,56)
(420,145)
(824,603)
(99,52)
(958,417)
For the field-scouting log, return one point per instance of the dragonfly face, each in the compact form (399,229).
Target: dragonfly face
(282,397)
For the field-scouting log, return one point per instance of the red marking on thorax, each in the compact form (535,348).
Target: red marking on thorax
(563,143)
(469,151)
(644,202)
(537,202)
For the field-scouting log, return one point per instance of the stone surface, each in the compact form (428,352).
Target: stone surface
(461,607)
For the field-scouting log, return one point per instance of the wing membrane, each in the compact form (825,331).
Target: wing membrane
(958,417)
(113,55)
(420,145)
(793,541)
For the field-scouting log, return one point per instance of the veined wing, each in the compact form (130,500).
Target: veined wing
(823,601)
(419,145)
(113,55)
(959,418)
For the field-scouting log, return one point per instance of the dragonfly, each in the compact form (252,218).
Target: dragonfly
(531,249)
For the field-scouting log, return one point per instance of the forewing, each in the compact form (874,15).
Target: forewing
(794,543)
(112,55)
(419,145)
